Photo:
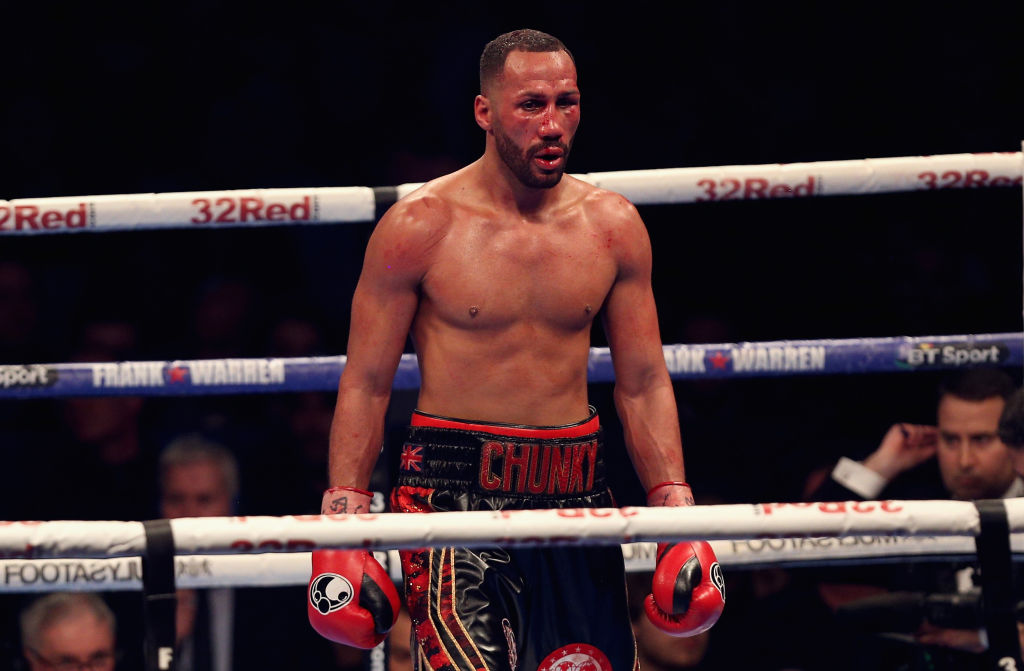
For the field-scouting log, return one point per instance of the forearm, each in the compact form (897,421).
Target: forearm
(650,424)
(357,433)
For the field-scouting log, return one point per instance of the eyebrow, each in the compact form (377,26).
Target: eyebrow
(536,93)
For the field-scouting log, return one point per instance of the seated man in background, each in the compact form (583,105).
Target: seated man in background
(199,478)
(1011,427)
(973,462)
(656,650)
(216,627)
(68,630)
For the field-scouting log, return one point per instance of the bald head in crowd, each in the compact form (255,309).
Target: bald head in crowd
(73,630)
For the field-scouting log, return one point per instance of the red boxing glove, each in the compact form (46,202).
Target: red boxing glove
(688,590)
(351,598)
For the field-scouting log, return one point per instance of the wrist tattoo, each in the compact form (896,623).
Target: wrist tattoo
(340,505)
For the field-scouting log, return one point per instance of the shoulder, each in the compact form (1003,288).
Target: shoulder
(414,225)
(422,214)
(616,219)
(607,209)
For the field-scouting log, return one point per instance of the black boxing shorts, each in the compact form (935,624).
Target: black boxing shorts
(514,609)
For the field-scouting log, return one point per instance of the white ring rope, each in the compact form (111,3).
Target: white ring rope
(265,551)
(240,535)
(293,568)
(271,207)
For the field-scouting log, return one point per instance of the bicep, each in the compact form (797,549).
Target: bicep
(630,316)
(383,307)
(381,316)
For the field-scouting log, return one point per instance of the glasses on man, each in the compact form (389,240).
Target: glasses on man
(101,661)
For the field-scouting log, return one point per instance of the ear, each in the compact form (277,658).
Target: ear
(482,112)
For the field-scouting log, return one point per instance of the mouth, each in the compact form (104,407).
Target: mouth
(549,158)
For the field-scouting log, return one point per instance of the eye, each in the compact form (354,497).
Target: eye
(530,105)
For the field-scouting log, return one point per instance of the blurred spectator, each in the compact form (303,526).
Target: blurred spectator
(294,336)
(216,628)
(104,457)
(301,423)
(67,632)
(305,419)
(225,318)
(199,478)
(656,650)
(23,424)
(1011,428)
(973,463)
(19,314)
(400,643)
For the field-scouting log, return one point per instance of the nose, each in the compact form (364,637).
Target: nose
(551,124)
(966,458)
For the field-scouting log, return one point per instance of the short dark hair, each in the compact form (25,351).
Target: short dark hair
(492,60)
(978,384)
(1011,423)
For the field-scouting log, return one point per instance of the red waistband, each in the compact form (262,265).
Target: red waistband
(589,425)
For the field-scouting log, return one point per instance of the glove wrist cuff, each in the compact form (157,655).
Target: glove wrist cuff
(670,493)
(342,500)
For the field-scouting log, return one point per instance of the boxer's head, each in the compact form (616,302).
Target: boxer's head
(529,105)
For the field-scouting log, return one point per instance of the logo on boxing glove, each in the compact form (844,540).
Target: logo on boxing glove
(329,592)
(718,579)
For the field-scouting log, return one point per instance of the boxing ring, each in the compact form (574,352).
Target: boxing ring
(160,555)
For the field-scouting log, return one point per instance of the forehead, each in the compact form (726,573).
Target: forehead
(79,632)
(548,69)
(956,414)
(194,475)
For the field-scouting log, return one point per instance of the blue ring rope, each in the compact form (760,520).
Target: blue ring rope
(685,362)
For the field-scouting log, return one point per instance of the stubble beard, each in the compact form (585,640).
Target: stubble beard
(520,162)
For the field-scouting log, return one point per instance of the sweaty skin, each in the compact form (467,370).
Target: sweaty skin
(496,270)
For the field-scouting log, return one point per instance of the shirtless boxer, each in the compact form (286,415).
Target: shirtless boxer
(497,271)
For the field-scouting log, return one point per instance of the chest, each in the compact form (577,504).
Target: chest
(488,274)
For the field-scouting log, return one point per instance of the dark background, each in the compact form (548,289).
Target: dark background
(194,95)
(198,95)
(141,97)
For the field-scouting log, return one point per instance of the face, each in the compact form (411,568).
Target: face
(80,640)
(660,650)
(196,489)
(533,111)
(975,464)
(99,420)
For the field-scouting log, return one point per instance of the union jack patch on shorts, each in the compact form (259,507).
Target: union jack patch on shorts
(412,457)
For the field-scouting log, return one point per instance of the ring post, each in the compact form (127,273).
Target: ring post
(997,589)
